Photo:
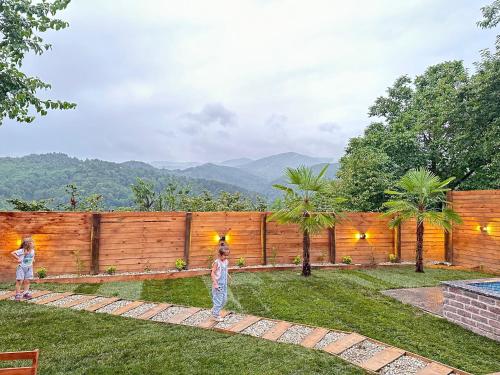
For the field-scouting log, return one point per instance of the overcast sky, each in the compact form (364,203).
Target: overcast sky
(215,80)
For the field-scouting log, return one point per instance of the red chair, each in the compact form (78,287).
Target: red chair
(19,356)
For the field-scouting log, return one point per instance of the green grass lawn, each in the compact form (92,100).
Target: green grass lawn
(80,342)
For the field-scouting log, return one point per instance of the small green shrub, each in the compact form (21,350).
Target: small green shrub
(111,270)
(347,259)
(393,258)
(241,262)
(180,264)
(41,273)
(297,260)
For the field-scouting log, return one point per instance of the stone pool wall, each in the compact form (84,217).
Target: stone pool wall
(475,309)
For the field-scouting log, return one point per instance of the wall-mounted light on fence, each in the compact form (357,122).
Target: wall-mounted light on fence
(362,236)
(221,237)
(483,229)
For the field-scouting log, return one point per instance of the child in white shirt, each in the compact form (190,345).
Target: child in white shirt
(25,256)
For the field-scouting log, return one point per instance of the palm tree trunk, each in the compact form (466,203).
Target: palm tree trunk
(306,265)
(419,264)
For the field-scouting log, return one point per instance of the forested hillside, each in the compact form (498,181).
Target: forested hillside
(45,176)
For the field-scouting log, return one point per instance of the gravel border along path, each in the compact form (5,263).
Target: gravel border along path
(405,365)
(295,334)
(259,328)
(361,352)
(328,339)
(139,310)
(108,309)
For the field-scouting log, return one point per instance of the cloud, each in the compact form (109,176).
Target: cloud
(161,82)
(329,127)
(276,121)
(212,113)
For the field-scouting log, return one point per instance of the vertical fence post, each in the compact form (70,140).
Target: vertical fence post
(187,237)
(397,242)
(332,245)
(95,235)
(263,237)
(448,236)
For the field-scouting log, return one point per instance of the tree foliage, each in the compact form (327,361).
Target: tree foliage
(300,206)
(23,205)
(21,24)
(176,197)
(420,196)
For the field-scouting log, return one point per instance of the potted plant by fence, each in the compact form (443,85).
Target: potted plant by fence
(299,207)
(422,197)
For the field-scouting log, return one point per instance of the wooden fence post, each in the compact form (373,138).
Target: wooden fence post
(448,236)
(95,235)
(263,237)
(397,242)
(332,244)
(187,237)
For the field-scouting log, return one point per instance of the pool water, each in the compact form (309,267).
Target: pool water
(492,286)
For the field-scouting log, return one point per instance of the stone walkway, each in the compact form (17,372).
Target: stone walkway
(373,356)
(429,299)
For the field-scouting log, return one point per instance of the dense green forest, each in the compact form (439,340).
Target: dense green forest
(36,177)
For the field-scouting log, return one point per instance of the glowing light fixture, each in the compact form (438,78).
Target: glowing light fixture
(483,228)
(361,236)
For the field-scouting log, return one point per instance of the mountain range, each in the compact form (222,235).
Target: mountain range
(46,176)
(257,175)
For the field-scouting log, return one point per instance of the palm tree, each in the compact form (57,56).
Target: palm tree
(422,198)
(300,207)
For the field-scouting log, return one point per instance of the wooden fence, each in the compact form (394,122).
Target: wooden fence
(137,241)
(476,243)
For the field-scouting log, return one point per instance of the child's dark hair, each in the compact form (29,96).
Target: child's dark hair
(223,249)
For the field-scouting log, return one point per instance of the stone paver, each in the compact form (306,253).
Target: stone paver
(353,347)
(101,304)
(382,358)
(124,309)
(52,298)
(274,333)
(434,368)
(344,343)
(314,337)
(155,310)
(242,324)
(429,299)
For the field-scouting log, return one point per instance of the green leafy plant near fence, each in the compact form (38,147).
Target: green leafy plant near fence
(41,273)
(346,259)
(180,264)
(241,262)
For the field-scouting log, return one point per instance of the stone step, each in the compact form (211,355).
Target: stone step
(242,324)
(274,333)
(98,305)
(124,309)
(210,322)
(344,343)
(7,295)
(314,337)
(382,358)
(434,368)
(78,301)
(53,298)
(40,293)
(155,310)
(178,318)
